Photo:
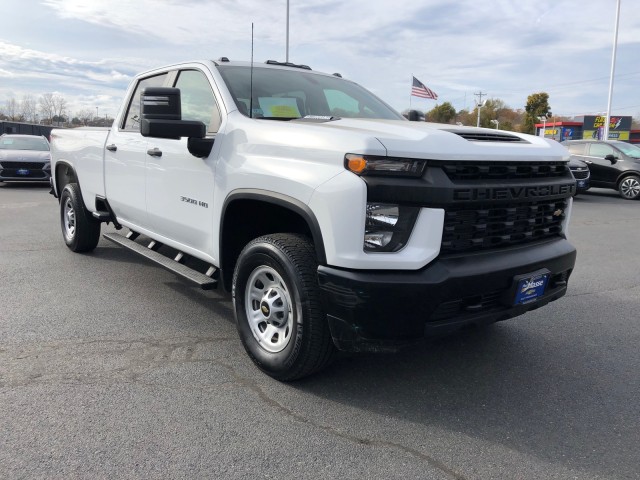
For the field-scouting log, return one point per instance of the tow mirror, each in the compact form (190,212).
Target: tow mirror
(161,115)
(415,116)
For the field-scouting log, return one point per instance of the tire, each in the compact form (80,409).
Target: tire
(80,231)
(629,187)
(277,306)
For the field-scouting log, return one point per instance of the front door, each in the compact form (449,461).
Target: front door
(602,171)
(180,187)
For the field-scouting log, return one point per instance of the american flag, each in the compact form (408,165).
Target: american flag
(418,89)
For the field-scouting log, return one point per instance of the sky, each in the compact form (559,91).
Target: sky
(89,50)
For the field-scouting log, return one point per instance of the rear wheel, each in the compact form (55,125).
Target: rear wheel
(81,232)
(629,187)
(277,306)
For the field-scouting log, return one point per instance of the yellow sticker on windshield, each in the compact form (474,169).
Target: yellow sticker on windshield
(279,107)
(283,111)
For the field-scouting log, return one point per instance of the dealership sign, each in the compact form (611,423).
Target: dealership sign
(619,127)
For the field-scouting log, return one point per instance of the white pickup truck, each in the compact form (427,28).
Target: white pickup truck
(334,222)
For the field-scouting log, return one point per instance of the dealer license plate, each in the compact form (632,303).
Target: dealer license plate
(23,171)
(531,288)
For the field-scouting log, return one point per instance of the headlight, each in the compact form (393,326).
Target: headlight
(372,165)
(388,226)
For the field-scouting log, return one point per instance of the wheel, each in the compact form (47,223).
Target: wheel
(629,187)
(81,232)
(277,307)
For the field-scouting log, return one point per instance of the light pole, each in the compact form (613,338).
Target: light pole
(97,116)
(480,105)
(287,56)
(496,123)
(613,69)
(543,119)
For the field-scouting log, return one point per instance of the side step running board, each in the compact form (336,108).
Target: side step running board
(102,216)
(203,281)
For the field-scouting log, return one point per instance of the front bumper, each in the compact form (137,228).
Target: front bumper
(378,310)
(583,185)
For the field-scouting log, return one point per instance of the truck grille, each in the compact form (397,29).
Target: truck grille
(502,170)
(490,226)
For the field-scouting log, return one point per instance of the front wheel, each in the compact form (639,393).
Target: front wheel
(81,232)
(629,187)
(277,306)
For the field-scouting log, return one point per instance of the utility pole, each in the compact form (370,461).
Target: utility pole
(479,104)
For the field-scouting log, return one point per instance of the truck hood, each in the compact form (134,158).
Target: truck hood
(450,142)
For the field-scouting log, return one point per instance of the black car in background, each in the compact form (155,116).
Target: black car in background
(580,171)
(612,164)
(24,158)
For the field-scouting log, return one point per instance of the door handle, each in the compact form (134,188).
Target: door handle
(588,161)
(112,147)
(154,152)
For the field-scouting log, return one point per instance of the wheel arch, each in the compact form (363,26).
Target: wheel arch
(625,174)
(64,173)
(250,213)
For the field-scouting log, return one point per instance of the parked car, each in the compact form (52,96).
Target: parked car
(24,158)
(612,164)
(580,171)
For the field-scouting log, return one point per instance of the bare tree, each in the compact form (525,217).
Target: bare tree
(47,108)
(11,109)
(29,108)
(85,115)
(59,105)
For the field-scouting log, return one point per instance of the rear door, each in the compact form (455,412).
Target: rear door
(125,160)
(180,187)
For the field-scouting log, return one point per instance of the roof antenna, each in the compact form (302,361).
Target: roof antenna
(251,80)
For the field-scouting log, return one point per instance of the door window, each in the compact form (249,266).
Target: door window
(198,101)
(576,148)
(132,119)
(600,150)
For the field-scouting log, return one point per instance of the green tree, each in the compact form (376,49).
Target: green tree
(537,106)
(444,113)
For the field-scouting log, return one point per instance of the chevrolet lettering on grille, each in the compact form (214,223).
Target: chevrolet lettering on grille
(512,193)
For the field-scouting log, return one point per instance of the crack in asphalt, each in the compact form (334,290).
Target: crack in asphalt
(65,362)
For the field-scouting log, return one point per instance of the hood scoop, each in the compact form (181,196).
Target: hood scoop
(482,136)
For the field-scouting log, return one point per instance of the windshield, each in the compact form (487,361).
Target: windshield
(24,143)
(287,94)
(628,149)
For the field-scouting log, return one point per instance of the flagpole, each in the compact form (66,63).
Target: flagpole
(410,91)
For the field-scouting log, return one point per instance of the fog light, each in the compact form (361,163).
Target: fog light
(382,214)
(388,226)
(376,240)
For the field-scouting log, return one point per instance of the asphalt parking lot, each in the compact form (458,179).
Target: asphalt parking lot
(111,367)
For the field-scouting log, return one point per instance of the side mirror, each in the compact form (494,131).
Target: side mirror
(161,115)
(414,116)
(611,158)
